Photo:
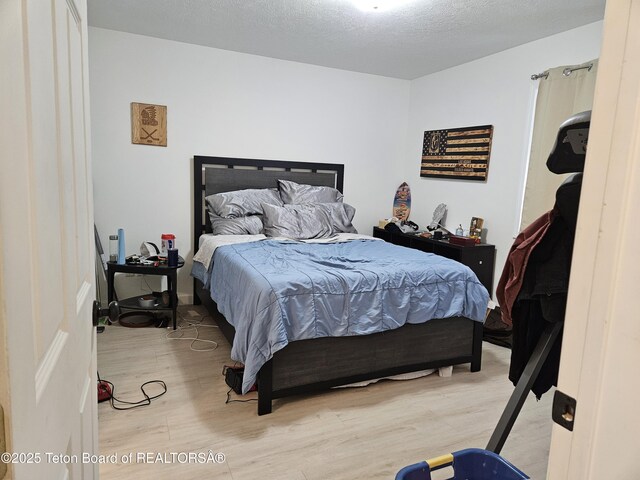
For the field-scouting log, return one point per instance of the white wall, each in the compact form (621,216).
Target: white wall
(495,90)
(223,103)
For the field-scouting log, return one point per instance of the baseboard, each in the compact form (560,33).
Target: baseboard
(185,299)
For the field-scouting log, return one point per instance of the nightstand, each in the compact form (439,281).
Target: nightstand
(133,303)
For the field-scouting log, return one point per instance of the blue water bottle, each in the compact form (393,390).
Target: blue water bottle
(121,254)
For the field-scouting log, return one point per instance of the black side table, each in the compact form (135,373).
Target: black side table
(133,303)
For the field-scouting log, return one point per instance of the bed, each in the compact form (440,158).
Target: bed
(315,363)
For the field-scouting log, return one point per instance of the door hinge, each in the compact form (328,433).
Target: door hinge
(563,411)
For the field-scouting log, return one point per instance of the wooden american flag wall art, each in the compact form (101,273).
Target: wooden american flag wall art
(457,153)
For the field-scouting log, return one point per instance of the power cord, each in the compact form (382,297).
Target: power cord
(108,389)
(187,324)
(238,401)
(141,403)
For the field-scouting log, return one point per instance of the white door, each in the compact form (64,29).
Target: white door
(601,342)
(47,342)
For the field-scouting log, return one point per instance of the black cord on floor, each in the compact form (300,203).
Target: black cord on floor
(141,403)
(238,401)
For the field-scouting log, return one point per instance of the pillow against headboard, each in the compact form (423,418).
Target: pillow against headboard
(247,225)
(241,202)
(296,193)
(300,222)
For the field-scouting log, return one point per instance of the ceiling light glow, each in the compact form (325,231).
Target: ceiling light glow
(378,5)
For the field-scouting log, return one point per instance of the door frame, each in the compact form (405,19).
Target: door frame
(12,134)
(599,363)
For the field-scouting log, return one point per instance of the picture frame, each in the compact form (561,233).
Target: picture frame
(475,228)
(149,124)
(457,153)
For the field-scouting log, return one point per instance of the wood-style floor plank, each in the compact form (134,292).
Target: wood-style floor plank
(353,433)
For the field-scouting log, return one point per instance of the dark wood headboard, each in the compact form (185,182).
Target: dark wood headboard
(220,174)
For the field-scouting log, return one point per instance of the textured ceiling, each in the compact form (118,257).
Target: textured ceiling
(414,39)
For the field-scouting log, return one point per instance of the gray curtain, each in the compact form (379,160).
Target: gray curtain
(559,97)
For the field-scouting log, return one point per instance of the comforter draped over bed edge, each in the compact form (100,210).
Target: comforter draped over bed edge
(274,292)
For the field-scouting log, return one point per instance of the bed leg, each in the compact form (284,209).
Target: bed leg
(265,386)
(476,350)
(196,298)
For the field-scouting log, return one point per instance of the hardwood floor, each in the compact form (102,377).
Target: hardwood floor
(361,433)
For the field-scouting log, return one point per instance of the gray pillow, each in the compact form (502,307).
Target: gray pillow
(296,193)
(301,222)
(249,225)
(240,203)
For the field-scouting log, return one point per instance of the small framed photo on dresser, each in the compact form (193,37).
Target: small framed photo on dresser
(475,228)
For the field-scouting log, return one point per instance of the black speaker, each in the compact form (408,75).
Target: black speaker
(233,378)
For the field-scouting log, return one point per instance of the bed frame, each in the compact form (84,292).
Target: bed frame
(310,365)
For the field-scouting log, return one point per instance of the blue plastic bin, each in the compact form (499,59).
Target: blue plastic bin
(469,464)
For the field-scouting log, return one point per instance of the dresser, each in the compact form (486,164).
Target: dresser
(480,257)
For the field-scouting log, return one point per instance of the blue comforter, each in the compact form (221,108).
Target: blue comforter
(274,292)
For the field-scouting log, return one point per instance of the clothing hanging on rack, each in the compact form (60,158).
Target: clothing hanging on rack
(514,268)
(533,287)
(534,284)
(538,268)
